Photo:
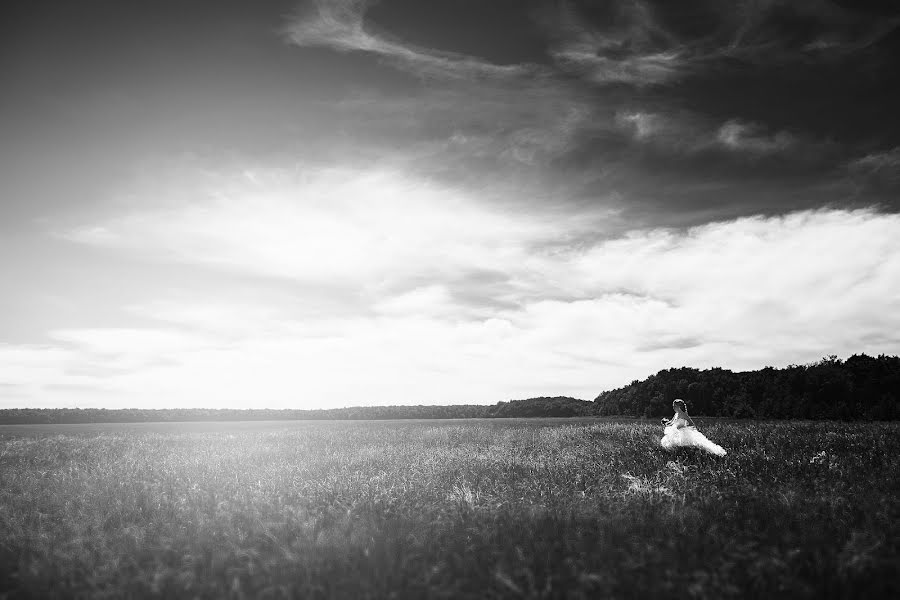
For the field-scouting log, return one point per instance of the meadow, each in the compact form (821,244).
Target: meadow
(501,508)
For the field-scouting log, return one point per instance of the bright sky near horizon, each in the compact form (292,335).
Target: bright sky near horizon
(222,203)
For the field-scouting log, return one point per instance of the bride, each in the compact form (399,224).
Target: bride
(681,431)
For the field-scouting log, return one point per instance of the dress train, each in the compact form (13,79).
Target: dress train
(689,437)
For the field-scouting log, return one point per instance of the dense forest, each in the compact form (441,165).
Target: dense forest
(861,387)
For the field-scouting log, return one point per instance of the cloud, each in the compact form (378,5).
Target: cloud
(340,25)
(226,320)
(680,133)
(635,50)
(878,161)
(644,125)
(31,364)
(576,319)
(475,129)
(746,137)
(469,116)
(518,125)
(686,133)
(881,167)
(638,43)
(645,69)
(339,228)
(813,30)
(433,300)
(650,43)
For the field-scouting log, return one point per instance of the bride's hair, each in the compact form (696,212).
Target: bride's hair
(680,404)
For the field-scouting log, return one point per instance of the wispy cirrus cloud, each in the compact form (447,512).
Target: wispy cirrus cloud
(684,132)
(341,25)
(644,43)
(638,42)
(751,138)
(813,30)
(876,177)
(879,165)
(633,50)
(508,115)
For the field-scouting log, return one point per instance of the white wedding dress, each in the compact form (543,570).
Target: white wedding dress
(678,433)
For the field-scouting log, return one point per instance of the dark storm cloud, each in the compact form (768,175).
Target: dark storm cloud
(664,109)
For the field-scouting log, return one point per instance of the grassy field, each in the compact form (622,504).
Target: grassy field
(448,509)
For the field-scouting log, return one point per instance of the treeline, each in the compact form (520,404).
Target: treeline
(138,415)
(861,387)
(532,407)
(557,406)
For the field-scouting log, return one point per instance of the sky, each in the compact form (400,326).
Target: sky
(245,204)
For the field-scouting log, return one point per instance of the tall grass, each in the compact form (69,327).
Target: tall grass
(445,509)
